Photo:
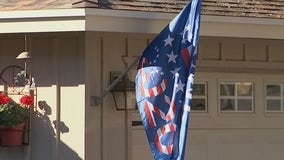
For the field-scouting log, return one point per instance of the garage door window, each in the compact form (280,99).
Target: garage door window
(274,97)
(199,98)
(236,97)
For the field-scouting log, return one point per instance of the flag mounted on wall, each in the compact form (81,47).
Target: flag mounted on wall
(164,83)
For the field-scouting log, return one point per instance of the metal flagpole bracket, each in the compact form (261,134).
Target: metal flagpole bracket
(97,100)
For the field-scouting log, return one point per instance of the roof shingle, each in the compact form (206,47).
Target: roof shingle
(239,8)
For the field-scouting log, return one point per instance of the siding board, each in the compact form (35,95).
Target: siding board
(232,49)
(276,52)
(256,51)
(114,47)
(209,49)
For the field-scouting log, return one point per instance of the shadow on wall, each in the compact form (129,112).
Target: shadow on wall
(43,139)
(57,59)
(46,136)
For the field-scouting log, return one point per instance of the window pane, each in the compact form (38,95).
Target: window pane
(199,89)
(227,89)
(227,104)
(273,90)
(273,105)
(198,104)
(244,89)
(245,105)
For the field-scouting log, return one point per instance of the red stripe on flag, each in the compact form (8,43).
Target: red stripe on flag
(141,88)
(157,111)
(186,56)
(169,148)
(172,127)
(159,89)
(151,92)
(148,114)
(158,143)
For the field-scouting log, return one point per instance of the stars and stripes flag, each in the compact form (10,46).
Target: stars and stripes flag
(164,83)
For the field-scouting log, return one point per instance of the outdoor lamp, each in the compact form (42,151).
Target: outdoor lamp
(124,92)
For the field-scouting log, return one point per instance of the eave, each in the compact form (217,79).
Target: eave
(108,20)
(32,21)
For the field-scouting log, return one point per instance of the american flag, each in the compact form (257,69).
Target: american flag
(164,83)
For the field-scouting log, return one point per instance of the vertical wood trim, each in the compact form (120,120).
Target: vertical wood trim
(221,56)
(93,75)
(3,46)
(81,59)
(102,103)
(56,74)
(126,111)
(244,52)
(267,53)
(5,52)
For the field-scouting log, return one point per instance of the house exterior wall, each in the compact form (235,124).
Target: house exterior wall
(57,65)
(70,68)
(108,129)
(212,134)
(220,135)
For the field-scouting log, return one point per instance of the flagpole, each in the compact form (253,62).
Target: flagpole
(96,100)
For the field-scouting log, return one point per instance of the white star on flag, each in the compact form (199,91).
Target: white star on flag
(179,86)
(175,71)
(172,57)
(187,28)
(168,41)
(189,37)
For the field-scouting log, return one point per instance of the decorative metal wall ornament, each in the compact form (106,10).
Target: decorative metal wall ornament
(25,56)
(18,83)
(14,77)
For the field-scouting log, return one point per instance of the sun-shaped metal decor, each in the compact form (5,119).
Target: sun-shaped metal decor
(14,78)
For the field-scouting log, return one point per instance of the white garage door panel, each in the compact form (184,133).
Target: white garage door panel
(258,144)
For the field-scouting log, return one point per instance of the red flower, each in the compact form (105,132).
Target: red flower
(4,99)
(27,100)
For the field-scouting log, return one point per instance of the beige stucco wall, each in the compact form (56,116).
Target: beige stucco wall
(229,57)
(221,136)
(107,128)
(58,68)
(70,68)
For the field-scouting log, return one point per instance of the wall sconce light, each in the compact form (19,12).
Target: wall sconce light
(124,92)
(122,83)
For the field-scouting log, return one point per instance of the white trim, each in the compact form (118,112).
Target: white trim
(243,20)
(60,20)
(42,26)
(169,16)
(109,20)
(153,22)
(238,66)
(129,14)
(51,13)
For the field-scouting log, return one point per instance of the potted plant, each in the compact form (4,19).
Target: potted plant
(13,117)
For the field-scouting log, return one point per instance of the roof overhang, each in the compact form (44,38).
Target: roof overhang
(108,20)
(60,20)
